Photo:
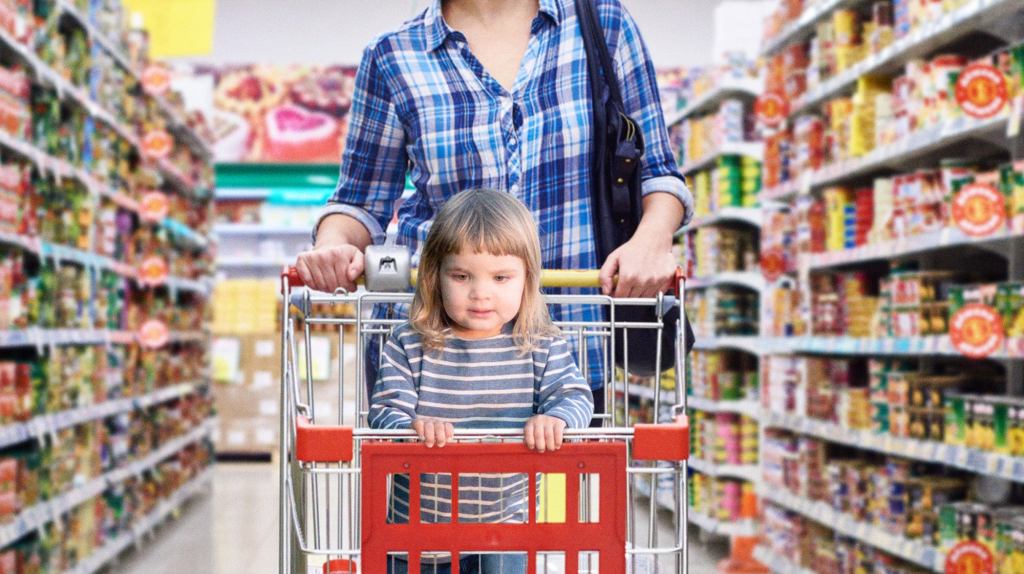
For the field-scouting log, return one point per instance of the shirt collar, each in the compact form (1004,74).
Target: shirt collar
(438,31)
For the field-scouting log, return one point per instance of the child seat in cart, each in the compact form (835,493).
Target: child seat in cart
(612,500)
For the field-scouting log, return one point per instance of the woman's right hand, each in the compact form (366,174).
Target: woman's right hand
(327,268)
(433,432)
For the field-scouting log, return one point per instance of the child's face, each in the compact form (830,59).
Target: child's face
(481,292)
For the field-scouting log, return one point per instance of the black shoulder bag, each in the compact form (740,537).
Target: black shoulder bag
(616,199)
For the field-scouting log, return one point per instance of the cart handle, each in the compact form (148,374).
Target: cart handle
(326,443)
(578,278)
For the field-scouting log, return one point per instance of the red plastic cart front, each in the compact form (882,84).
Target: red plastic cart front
(604,534)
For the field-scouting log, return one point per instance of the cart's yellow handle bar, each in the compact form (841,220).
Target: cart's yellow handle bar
(548,278)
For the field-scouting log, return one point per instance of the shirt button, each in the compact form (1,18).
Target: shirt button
(514,190)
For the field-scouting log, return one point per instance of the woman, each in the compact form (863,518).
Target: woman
(495,94)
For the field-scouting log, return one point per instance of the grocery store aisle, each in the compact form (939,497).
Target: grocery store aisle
(233,528)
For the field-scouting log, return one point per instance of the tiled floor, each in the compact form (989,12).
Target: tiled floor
(233,529)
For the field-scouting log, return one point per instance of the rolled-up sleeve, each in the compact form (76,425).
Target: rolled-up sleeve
(374,163)
(640,96)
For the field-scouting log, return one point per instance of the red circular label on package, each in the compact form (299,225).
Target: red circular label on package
(157,145)
(977,331)
(969,558)
(771,109)
(979,210)
(153,271)
(154,334)
(156,79)
(772,264)
(154,206)
(981,91)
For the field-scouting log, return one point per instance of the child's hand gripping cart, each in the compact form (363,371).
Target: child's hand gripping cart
(337,474)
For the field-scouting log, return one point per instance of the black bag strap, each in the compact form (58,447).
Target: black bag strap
(598,58)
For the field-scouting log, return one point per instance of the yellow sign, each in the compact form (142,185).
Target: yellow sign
(177,28)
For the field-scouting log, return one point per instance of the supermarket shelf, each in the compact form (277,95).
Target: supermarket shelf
(111,550)
(925,40)
(750,344)
(33,518)
(51,423)
(179,284)
(63,254)
(185,233)
(64,87)
(950,237)
(977,461)
(723,528)
(189,337)
(177,121)
(42,338)
(749,215)
(727,88)
(255,229)
(250,263)
(747,472)
(29,244)
(62,169)
(936,345)
(749,279)
(918,145)
(709,525)
(803,27)
(748,149)
(747,408)
(778,564)
(916,552)
(641,391)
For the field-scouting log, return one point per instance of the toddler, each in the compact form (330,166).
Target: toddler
(479,351)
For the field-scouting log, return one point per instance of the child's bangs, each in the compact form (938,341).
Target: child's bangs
(475,236)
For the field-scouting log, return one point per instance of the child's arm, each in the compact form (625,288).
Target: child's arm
(563,392)
(394,399)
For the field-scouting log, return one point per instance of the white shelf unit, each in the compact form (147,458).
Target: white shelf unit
(749,279)
(752,345)
(922,148)
(980,462)
(747,149)
(171,180)
(749,215)
(927,39)
(728,87)
(915,551)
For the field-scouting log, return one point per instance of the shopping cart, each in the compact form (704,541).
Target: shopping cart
(588,514)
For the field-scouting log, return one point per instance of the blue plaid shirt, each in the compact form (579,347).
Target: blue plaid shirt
(425,106)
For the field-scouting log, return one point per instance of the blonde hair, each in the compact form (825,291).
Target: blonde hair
(481,221)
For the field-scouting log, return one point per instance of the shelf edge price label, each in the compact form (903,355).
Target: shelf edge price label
(154,206)
(771,109)
(969,557)
(981,91)
(156,80)
(157,144)
(977,331)
(153,271)
(154,334)
(979,210)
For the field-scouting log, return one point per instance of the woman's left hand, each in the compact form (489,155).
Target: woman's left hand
(643,268)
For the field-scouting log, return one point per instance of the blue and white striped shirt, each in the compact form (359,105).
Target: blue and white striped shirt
(482,383)
(424,105)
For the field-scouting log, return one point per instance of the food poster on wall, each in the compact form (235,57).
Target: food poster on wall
(273,114)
